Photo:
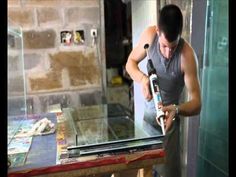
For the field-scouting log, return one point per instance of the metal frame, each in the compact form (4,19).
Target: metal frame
(116,146)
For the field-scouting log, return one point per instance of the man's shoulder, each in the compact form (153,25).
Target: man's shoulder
(148,35)
(150,31)
(188,55)
(151,28)
(187,49)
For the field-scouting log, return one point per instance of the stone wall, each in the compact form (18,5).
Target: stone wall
(55,72)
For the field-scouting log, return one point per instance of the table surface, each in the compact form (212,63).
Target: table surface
(41,159)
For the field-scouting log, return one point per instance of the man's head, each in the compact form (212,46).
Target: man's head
(170,22)
(170,26)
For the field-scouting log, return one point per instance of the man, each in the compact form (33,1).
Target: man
(176,66)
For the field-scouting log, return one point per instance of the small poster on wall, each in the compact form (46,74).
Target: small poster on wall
(67,37)
(79,37)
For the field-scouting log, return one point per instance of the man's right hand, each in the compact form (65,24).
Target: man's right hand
(146,88)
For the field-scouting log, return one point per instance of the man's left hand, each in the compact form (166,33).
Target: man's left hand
(170,112)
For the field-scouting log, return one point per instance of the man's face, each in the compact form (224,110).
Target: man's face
(167,48)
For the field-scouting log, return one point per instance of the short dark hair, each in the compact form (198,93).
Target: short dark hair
(170,22)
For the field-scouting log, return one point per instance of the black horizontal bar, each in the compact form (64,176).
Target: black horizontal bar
(114,142)
(79,152)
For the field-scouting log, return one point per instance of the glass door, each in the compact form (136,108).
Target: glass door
(213,131)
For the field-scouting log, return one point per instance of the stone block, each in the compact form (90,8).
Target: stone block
(16,106)
(118,94)
(90,14)
(44,103)
(51,81)
(36,104)
(31,60)
(92,98)
(83,15)
(30,105)
(34,3)
(78,3)
(82,68)
(15,43)
(14,64)
(15,85)
(21,16)
(74,98)
(39,39)
(53,3)
(63,99)
(13,3)
(48,16)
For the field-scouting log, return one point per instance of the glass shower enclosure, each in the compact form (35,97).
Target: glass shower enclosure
(213,131)
(16,93)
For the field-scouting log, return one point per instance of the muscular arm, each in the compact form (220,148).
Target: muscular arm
(193,105)
(138,54)
(189,65)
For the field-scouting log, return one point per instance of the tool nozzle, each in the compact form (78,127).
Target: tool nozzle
(146,49)
(146,46)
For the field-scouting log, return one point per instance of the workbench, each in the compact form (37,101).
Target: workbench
(42,157)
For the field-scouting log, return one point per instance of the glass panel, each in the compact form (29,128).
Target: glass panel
(109,127)
(16,83)
(207,169)
(213,132)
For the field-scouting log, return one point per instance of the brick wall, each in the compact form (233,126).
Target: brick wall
(56,73)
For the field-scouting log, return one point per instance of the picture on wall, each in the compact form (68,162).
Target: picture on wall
(79,37)
(66,37)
